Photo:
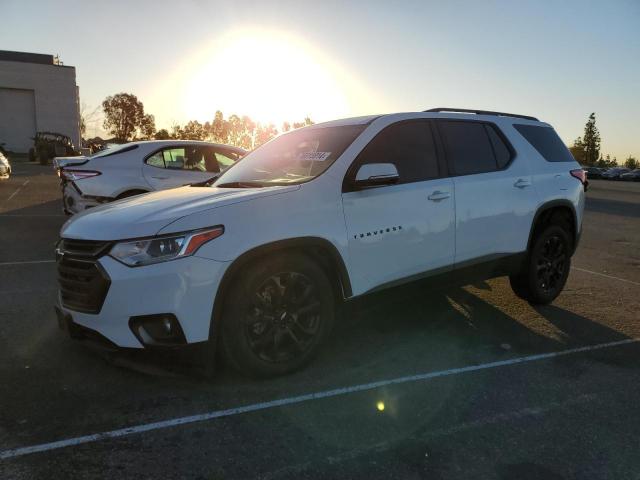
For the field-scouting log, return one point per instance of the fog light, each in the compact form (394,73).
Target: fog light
(161,329)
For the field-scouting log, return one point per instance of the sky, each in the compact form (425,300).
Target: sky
(284,60)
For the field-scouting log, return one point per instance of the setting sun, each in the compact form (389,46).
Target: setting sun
(270,76)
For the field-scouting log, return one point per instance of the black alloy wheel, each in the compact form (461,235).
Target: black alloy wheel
(283,317)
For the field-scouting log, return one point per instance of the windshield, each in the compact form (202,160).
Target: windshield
(292,158)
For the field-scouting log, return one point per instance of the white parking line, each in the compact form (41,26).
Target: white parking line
(30,262)
(606,276)
(43,447)
(19,188)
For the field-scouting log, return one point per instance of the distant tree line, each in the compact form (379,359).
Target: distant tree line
(126,120)
(586,149)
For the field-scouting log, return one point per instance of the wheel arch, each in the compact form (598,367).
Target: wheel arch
(548,211)
(319,249)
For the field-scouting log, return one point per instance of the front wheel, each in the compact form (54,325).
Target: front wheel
(277,314)
(547,267)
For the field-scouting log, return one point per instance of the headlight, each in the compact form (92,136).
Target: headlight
(146,251)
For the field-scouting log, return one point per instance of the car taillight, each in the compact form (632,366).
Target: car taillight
(580,175)
(73,175)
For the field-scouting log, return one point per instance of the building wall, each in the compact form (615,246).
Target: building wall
(55,102)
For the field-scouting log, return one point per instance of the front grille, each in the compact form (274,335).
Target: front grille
(83,282)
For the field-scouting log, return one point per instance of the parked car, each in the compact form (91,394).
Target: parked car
(632,176)
(139,167)
(258,262)
(5,166)
(594,172)
(614,173)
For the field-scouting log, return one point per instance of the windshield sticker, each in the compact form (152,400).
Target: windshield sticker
(315,156)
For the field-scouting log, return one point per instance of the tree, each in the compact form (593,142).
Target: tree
(307,121)
(125,117)
(193,130)
(219,131)
(264,133)
(631,163)
(578,150)
(87,116)
(286,126)
(606,162)
(147,126)
(591,141)
(162,134)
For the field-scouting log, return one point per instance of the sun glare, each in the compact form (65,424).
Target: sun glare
(269,76)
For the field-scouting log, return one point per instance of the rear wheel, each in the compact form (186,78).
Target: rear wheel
(547,267)
(277,315)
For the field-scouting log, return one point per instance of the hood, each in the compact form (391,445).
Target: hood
(59,162)
(145,215)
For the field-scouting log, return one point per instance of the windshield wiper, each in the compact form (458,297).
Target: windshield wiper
(241,185)
(206,183)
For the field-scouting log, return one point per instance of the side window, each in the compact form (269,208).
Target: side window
(468,147)
(174,158)
(503,155)
(409,146)
(156,160)
(195,159)
(547,142)
(225,160)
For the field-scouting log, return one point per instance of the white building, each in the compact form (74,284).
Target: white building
(36,94)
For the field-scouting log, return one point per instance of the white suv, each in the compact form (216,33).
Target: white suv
(139,167)
(257,262)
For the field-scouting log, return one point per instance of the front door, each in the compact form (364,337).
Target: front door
(403,230)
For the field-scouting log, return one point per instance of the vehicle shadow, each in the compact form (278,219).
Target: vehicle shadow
(406,330)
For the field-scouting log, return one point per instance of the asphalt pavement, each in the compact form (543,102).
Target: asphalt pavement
(465,383)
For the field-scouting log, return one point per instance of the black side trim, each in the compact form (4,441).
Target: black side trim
(465,273)
(481,112)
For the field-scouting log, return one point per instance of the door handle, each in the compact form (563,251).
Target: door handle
(159,178)
(522,183)
(438,195)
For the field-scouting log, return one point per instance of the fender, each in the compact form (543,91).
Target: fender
(553,204)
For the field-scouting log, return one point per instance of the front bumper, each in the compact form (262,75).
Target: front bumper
(185,288)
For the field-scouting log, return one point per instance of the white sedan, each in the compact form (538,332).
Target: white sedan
(139,167)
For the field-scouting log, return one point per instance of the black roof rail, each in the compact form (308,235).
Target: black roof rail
(481,112)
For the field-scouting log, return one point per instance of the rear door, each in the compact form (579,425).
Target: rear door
(398,231)
(178,165)
(495,198)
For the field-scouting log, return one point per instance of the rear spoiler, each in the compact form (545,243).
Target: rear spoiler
(61,162)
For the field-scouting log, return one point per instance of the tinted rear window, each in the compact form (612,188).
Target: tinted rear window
(468,147)
(547,142)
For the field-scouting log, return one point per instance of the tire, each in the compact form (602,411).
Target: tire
(547,267)
(263,332)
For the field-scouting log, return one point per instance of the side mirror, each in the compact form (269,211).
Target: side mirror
(376,175)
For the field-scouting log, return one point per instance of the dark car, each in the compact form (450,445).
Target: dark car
(614,173)
(593,172)
(632,176)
